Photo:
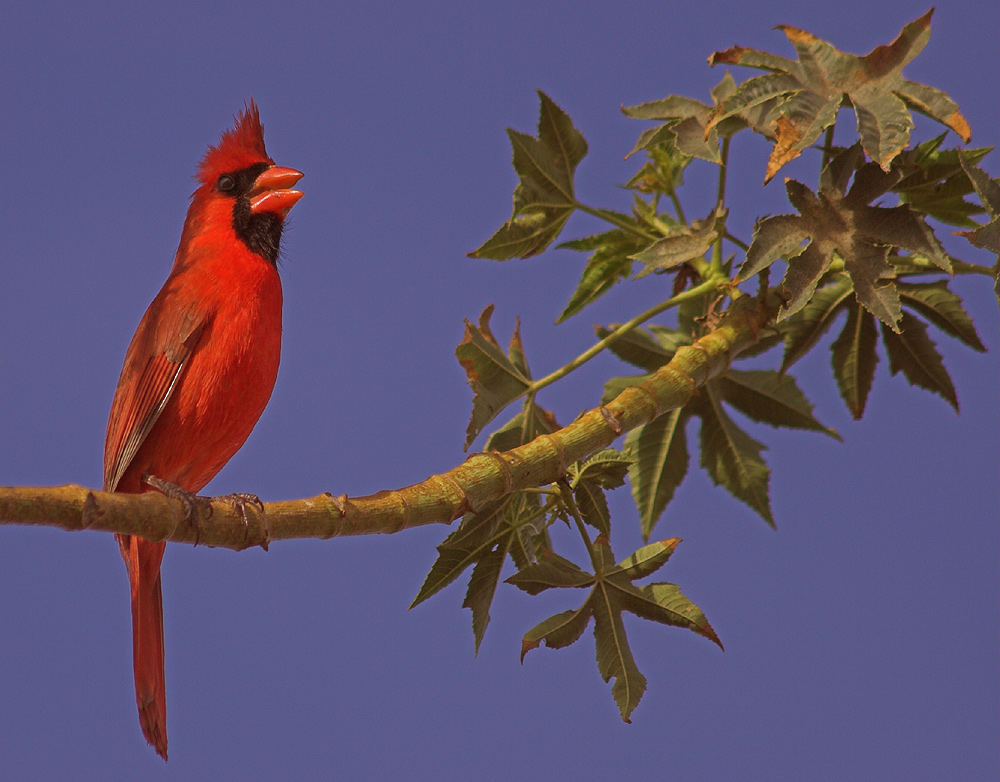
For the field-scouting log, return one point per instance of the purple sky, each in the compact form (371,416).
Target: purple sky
(861,637)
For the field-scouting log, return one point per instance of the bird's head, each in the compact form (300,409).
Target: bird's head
(238,176)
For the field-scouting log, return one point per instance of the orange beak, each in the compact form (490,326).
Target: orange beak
(271,191)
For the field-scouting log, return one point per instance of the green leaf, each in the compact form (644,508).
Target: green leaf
(557,631)
(473,540)
(661,462)
(550,572)
(854,359)
(771,398)
(605,468)
(614,655)
(609,263)
(943,308)
(520,429)
(687,243)
(646,560)
(732,457)
(647,350)
(666,604)
(914,354)
(482,587)
(544,197)
(805,327)
(495,379)
(806,93)
(593,506)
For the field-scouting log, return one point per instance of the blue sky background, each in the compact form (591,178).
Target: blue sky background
(861,637)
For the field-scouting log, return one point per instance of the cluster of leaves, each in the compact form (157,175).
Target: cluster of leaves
(859,243)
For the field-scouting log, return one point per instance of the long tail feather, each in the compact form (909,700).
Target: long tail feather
(142,558)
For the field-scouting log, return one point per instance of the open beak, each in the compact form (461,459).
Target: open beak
(271,191)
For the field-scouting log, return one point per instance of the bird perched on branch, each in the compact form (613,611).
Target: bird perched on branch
(200,368)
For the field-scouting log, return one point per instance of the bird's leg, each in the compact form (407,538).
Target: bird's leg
(194,504)
(203,505)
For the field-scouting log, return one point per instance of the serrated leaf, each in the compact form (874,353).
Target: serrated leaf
(614,655)
(543,198)
(593,506)
(733,458)
(520,430)
(804,329)
(495,380)
(771,398)
(609,263)
(646,560)
(606,468)
(557,631)
(550,572)
(666,604)
(986,236)
(661,462)
(843,225)
(482,587)
(645,349)
(854,358)
(808,91)
(687,243)
(943,308)
(463,547)
(914,354)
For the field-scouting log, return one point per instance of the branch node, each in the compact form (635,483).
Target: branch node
(611,420)
(560,451)
(91,511)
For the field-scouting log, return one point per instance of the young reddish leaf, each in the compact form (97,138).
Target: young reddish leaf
(809,91)
(543,198)
(771,398)
(732,457)
(845,225)
(854,359)
(914,354)
(495,379)
(661,462)
(943,308)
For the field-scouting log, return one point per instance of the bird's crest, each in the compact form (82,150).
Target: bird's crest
(238,148)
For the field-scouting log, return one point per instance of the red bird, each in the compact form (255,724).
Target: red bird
(200,367)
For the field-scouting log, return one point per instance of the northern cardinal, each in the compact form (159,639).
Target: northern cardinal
(200,367)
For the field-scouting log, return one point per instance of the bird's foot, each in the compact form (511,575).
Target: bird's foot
(195,505)
(239,501)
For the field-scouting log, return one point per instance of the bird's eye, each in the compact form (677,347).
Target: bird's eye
(225,183)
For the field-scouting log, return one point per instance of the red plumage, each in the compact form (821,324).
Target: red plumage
(201,366)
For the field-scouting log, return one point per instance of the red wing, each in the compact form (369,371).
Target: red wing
(153,365)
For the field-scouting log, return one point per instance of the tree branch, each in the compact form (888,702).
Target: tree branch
(440,499)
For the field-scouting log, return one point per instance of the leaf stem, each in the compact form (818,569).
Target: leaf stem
(828,144)
(570,504)
(614,219)
(720,200)
(678,208)
(710,284)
